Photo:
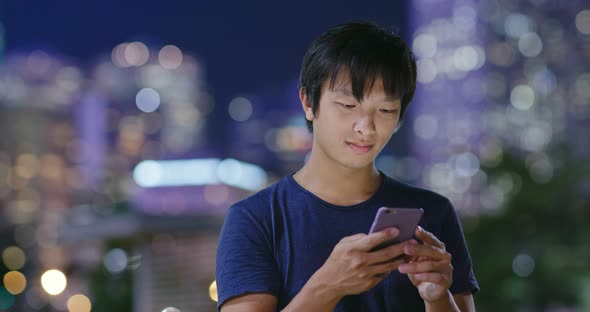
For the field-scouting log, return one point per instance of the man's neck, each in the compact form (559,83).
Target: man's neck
(336,184)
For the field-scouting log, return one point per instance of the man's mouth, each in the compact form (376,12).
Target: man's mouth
(359,147)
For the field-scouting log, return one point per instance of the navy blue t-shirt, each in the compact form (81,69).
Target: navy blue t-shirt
(276,239)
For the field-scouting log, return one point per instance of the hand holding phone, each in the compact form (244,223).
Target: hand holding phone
(404,219)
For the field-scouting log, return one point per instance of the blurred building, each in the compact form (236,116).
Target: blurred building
(111,178)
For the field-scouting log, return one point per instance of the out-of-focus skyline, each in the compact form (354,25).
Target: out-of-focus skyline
(246,46)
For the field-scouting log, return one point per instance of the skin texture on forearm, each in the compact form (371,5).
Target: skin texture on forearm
(317,297)
(445,304)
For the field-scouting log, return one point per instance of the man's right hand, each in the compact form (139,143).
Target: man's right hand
(353,268)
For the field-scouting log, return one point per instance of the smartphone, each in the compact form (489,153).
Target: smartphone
(405,219)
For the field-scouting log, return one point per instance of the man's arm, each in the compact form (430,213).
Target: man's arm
(260,302)
(352,268)
(465,302)
(245,269)
(268,302)
(460,302)
(312,297)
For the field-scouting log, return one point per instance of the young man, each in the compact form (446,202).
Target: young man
(302,243)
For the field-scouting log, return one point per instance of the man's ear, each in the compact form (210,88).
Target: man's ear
(306,104)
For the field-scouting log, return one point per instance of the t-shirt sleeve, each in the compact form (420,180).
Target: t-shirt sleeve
(452,235)
(245,261)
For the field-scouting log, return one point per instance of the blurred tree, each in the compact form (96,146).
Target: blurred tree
(112,292)
(533,253)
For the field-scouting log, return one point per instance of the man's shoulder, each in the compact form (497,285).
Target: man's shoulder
(411,192)
(261,200)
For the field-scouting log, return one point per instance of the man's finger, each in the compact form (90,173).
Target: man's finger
(424,267)
(428,238)
(436,278)
(428,251)
(353,237)
(386,267)
(388,253)
(374,239)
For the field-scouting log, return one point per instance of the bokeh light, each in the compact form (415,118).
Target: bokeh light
(522,97)
(464,17)
(465,164)
(523,265)
(14,258)
(136,53)
(426,70)
(516,25)
(530,44)
(240,174)
(27,165)
(118,55)
(424,45)
(213,291)
(115,260)
(147,100)
(54,282)
(39,63)
(79,303)
(240,109)
(15,282)
(170,57)
(583,22)
(468,58)
(148,173)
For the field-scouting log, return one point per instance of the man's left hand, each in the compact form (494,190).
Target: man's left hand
(430,269)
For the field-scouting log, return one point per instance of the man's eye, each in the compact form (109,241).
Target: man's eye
(388,111)
(347,106)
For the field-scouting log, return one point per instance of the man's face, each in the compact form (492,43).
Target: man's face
(350,132)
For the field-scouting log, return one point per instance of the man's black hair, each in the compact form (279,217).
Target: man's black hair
(368,52)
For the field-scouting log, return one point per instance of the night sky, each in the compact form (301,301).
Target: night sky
(247,46)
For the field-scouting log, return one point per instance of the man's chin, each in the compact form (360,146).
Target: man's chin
(364,165)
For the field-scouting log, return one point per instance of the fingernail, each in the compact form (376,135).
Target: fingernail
(394,231)
(420,228)
(412,242)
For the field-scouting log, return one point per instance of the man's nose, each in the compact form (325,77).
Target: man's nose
(365,125)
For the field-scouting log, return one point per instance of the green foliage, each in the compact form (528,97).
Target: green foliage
(546,221)
(110,292)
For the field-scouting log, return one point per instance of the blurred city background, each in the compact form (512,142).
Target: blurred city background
(128,128)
